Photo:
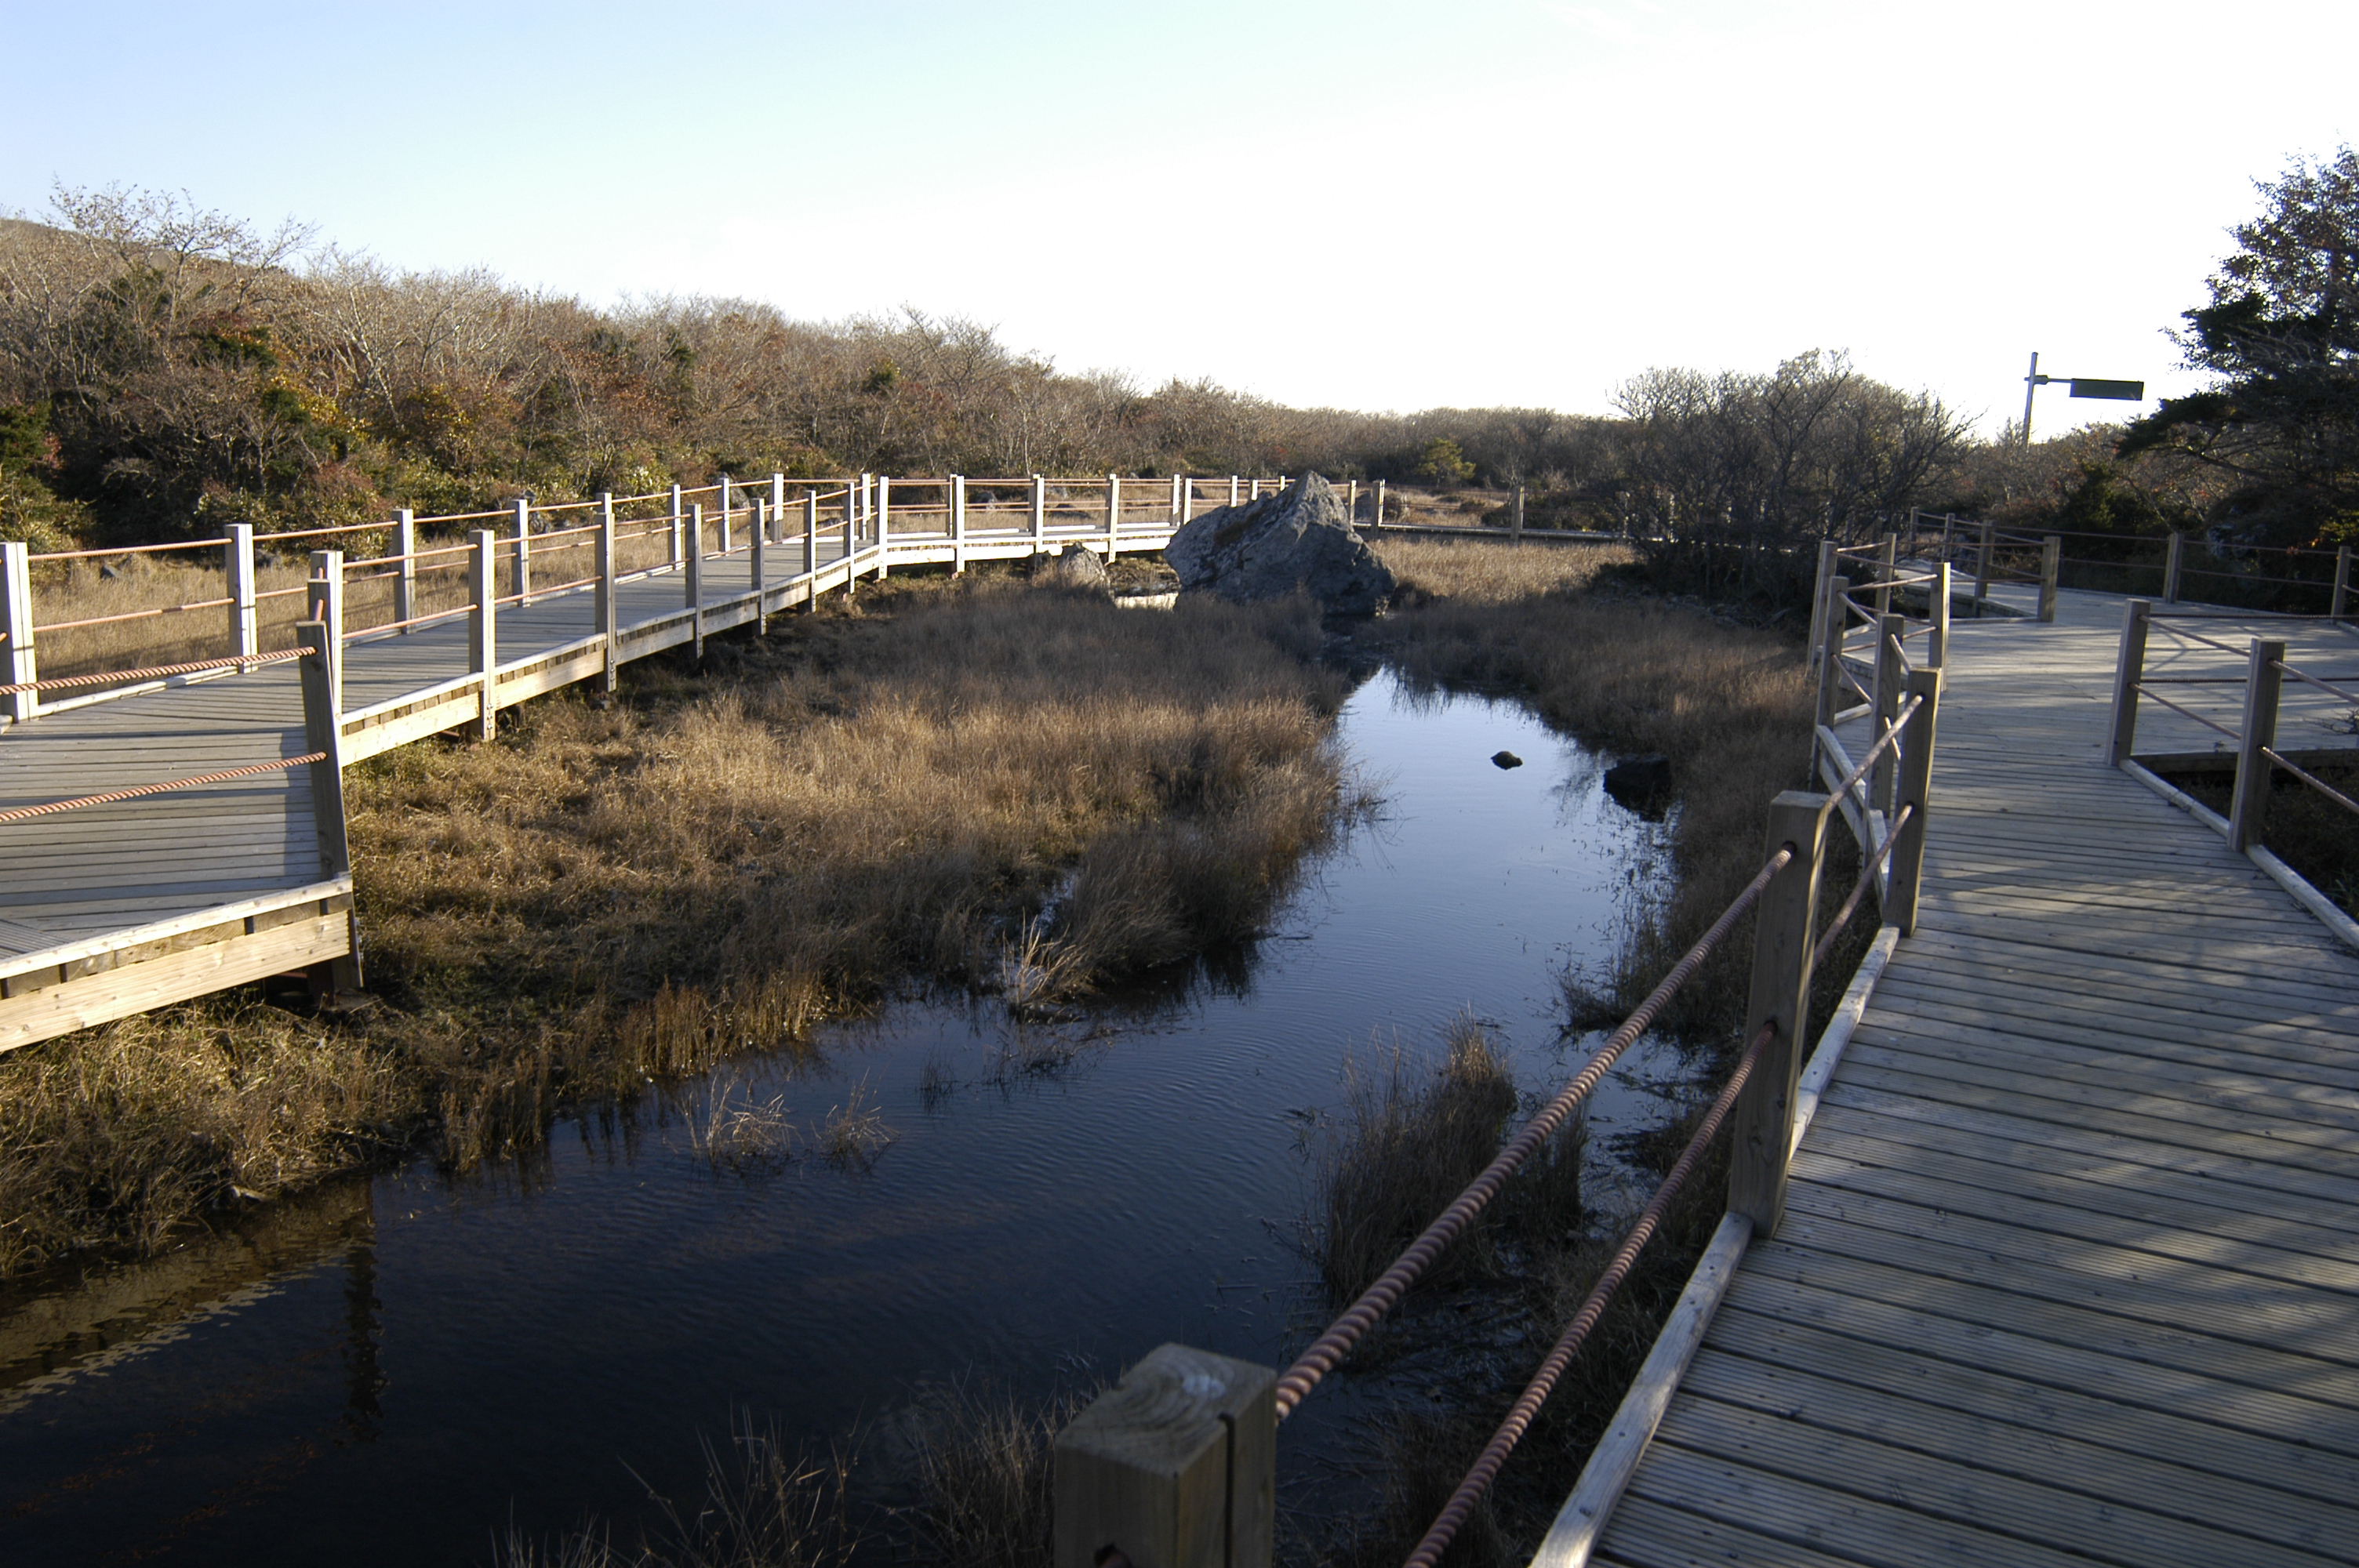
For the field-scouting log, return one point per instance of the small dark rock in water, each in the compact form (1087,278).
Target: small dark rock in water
(1505,760)
(1640,783)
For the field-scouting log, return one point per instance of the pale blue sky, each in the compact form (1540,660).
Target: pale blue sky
(1374,205)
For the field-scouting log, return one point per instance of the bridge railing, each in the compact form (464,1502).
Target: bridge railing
(1177,1462)
(118,610)
(1868,645)
(2253,675)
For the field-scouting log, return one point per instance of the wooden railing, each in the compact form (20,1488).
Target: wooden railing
(2255,674)
(433,568)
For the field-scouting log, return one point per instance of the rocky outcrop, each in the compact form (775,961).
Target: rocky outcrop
(1297,538)
(1077,565)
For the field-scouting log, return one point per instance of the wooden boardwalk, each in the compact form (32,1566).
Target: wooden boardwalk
(112,909)
(2070,1268)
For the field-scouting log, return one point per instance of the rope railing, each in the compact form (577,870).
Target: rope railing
(1379,1298)
(153,672)
(22,813)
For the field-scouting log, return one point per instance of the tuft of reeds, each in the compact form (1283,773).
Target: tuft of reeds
(855,1134)
(767,1503)
(983,1468)
(752,1138)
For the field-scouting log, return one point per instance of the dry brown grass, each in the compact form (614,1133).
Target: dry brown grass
(1728,704)
(984,1469)
(713,864)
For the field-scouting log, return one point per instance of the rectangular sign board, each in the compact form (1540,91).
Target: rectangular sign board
(2119,390)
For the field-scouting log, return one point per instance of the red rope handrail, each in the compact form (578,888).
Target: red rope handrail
(153,672)
(22,812)
(1379,1298)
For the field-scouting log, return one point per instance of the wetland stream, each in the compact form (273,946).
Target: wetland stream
(392,1370)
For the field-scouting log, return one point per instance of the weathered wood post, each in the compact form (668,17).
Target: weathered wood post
(1351,504)
(323,601)
(18,666)
(957,524)
(1949,532)
(601,605)
(244,621)
(1376,520)
(1982,571)
(1904,873)
(1515,528)
(322,679)
(1186,500)
(883,494)
(851,540)
(1888,682)
(1040,512)
(696,577)
(1761,1122)
(1936,642)
(2341,583)
(1883,574)
(2129,668)
(1113,513)
(721,484)
(1819,600)
(778,508)
(678,521)
(1179,484)
(2051,558)
(1830,666)
(755,563)
(482,627)
(405,583)
(1235,494)
(811,550)
(2170,558)
(521,571)
(2262,679)
(1175,1466)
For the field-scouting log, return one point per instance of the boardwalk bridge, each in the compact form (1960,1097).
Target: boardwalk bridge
(2048,1254)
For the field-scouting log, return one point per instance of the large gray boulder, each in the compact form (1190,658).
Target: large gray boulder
(1297,538)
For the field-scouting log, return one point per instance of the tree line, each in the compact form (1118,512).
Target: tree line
(166,368)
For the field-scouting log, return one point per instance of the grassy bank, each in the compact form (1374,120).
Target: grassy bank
(975,784)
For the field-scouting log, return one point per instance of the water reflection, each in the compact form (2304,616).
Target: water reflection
(389,1371)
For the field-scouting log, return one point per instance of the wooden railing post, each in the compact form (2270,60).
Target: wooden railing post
(1937,640)
(1351,504)
(1904,872)
(2341,583)
(18,665)
(1830,669)
(1179,484)
(884,493)
(520,575)
(2170,558)
(1175,1466)
(1187,499)
(678,521)
(2051,558)
(810,551)
(2262,679)
(957,524)
(1761,1129)
(1516,523)
(1982,570)
(482,629)
(2129,668)
(760,528)
(244,622)
(323,601)
(602,606)
(779,507)
(1819,581)
(1884,576)
(1234,493)
(405,584)
(1888,683)
(323,731)
(722,484)
(1114,515)
(696,577)
(1039,510)
(1377,519)
(850,541)
(1949,532)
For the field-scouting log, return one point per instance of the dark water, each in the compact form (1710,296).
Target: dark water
(390,1372)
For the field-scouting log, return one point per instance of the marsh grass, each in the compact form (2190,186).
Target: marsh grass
(767,1503)
(983,1466)
(750,1139)
(710,865)
(855,1134)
